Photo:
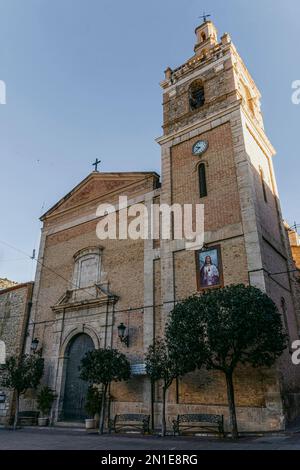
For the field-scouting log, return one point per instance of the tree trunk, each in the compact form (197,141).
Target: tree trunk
(16,410)
(163,416)
(102,413)
(231,404)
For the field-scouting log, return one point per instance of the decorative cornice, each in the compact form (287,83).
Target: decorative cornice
(136,177)
(204,108)
(66,303)
(93,216)
(199,68)
(87,251)
(198,124)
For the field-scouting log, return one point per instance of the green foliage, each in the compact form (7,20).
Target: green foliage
(93,401)
(162,364)
(226,327)
(45,398)
(21,374)
(103,366)
(184,333)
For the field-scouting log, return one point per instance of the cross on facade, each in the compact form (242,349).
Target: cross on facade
(97,162)
(204,17)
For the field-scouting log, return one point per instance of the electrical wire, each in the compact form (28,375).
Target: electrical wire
(128,310)
(47,267)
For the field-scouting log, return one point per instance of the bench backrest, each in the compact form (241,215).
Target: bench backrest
(199,418)
(28,414)
(132,417)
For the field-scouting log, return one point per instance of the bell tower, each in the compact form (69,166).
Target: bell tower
(207,37)
(215,152)
(212,121)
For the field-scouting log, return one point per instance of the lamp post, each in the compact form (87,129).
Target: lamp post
(121,332)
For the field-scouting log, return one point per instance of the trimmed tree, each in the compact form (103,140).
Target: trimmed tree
(162,365)
(102,367)
(227,327)
(20,375)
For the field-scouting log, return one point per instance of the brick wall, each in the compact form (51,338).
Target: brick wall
(221,206)
(122,275)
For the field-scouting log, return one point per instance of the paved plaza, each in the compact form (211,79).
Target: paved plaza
(79,439)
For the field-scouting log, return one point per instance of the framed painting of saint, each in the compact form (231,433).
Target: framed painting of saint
(209,268)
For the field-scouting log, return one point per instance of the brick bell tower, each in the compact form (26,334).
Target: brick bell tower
(215,152)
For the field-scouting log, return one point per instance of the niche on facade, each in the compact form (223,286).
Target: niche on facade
(87,267)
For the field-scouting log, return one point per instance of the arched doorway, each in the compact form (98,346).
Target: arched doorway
(75,388)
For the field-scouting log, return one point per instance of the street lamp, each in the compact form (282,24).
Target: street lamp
(121,332)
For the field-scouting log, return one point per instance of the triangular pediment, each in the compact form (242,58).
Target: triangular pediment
(95,186)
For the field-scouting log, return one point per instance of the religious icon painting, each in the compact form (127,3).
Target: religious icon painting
(209,268)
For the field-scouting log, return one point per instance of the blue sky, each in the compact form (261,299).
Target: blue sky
(82,81)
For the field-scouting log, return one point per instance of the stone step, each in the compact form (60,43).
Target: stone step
(70,424)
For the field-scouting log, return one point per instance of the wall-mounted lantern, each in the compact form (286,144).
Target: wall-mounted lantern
(122,334)
(34,345)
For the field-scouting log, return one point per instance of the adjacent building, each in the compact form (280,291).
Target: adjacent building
(5,283)
(15,305)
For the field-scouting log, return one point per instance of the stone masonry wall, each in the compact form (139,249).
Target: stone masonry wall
(14,311)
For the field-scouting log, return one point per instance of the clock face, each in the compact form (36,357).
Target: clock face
(200,147)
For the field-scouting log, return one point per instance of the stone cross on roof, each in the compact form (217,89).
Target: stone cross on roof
(204,17)
(97,162)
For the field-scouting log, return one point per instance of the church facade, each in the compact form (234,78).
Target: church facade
(214,152)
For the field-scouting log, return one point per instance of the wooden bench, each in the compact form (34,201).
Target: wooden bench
(28,418)
(192,422)
(138,422)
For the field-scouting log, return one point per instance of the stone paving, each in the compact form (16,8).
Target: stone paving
(79,439)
